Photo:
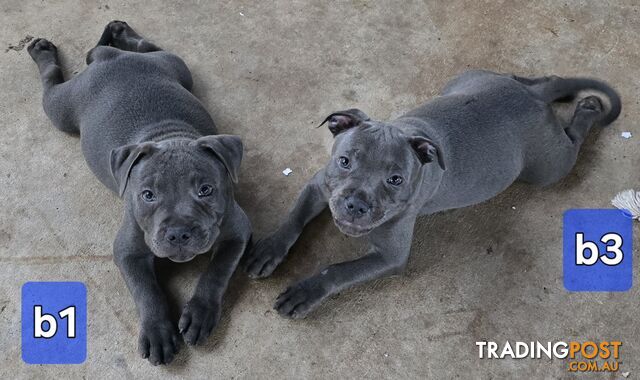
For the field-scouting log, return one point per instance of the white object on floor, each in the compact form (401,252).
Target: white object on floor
(626,135)
(287,171)
(628,200)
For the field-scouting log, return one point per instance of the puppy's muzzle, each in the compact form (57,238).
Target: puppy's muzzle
(182,242)
(178,236)
(356,207)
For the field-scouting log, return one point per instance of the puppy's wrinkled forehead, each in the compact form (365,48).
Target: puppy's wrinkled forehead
(176,160)
(206,156)
(174,167)
(378,144)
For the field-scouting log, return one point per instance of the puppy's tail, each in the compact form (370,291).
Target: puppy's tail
(567,88)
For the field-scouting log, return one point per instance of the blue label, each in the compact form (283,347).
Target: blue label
(54,322)
(597,250)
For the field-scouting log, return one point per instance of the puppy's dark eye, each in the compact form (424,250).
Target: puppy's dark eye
(344,161)
(205,191)
(148,196)
(395,180)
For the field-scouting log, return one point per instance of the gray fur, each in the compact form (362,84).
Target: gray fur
(147,138)
(484,132)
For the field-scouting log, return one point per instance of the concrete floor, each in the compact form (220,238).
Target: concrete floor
(270,72)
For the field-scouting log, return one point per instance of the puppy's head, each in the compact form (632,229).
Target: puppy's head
(375,170)
(178,190)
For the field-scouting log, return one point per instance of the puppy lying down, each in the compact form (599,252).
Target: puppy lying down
(147,138)
(483,132)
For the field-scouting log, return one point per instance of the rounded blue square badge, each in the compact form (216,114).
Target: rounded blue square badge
(54,322)
(598,246)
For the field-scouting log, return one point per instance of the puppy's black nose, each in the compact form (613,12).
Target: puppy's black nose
(356,206)
(178,235)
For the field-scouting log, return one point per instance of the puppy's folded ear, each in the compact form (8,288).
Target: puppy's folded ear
(226,148)
(342,120)
(123,159)
(426,150)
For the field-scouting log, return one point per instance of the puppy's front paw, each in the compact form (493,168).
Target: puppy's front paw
(300,299)
(198,319)
(265,256)
(158,341)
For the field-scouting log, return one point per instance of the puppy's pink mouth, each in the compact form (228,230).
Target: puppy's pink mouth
(351,229)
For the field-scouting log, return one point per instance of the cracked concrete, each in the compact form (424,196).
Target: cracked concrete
(270,72)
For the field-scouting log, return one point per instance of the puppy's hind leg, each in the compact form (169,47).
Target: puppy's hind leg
(120,35)
(558,155)
(56,96)
(588,111)
(45,55)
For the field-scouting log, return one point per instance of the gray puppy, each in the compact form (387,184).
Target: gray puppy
(147,138)
(484,132)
